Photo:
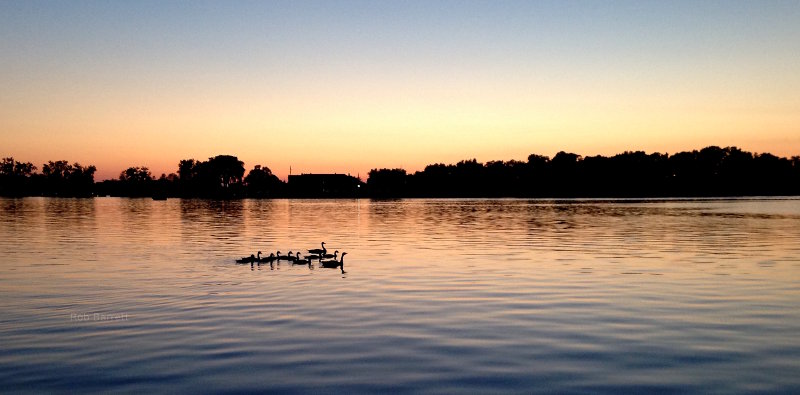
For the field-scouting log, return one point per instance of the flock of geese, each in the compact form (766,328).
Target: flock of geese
(320,255)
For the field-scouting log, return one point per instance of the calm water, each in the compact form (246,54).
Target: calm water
(438,296)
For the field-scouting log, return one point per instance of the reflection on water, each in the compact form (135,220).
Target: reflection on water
(437,296)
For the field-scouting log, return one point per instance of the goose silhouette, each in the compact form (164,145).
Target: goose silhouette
(301,261)
(288,257)
(332,264)
(318,251)
(250,259)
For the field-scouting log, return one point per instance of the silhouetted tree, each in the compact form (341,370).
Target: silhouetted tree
(504,178)
(63,179)
(565,179)
(136,175)
(387,183)
(15,177)
(261,183)
(219,177)
(187,169)
(228,169)
(538,175)
(469,178)
(435,180)
(10,167)
(136,181)
(166,185)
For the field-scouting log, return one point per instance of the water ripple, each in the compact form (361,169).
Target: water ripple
(439,296)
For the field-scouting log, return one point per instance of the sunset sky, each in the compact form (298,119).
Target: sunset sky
(346,86)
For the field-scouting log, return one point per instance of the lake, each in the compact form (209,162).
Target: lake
(435,296)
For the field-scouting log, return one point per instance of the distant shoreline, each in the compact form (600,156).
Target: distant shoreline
(709,172)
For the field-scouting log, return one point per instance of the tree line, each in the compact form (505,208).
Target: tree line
(219,177)
(712,171)
(59,178)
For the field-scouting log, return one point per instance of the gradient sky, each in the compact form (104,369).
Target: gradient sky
(346,86)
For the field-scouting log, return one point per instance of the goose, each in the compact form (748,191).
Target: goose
(334,263)
(269,259)
(288,257)
(247,259)
(301,261)
(334,255)
(250,259)
(318,251)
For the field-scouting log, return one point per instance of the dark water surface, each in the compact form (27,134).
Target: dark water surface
(438,296)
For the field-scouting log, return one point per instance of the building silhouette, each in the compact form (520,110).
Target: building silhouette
(324,186)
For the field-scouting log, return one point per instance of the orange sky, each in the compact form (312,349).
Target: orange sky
(323,88)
